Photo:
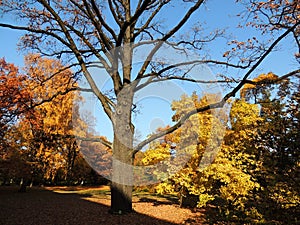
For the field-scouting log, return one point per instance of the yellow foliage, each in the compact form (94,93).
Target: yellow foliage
(258,82)
(156,155)
(285,195)
(199,138)
(244,115)
(226,175)
(164,188)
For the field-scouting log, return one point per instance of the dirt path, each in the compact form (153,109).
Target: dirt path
(80,206)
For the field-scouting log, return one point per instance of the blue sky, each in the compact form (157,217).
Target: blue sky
(155,110)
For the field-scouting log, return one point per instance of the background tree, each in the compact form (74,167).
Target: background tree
(90,34)
(277,146)
(14,101)
(221,174)
(255,167)
(14,96)
(47,133)
(38,143)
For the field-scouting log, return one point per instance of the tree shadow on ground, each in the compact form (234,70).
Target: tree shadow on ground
(161,201)
(40,206)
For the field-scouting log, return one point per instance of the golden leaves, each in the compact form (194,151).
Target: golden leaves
(262,81)
(228,176)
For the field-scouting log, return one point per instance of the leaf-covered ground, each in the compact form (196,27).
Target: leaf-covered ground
(80,206)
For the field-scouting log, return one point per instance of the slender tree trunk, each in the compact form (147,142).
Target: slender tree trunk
(23,185)
(71,156)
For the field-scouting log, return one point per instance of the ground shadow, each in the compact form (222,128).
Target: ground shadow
(156,202)
(40,206)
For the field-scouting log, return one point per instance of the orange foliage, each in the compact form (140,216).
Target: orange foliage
(14,96)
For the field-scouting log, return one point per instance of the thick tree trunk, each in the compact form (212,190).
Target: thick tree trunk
(121,202)
(122,181)
(122,165)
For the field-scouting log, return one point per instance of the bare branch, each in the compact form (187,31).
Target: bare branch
(151,17)
(91,91)
(73,47)
(166,37)
(161,78)
(221,102)
(275,81)
(89,139)
(105,42)
(102,21)
(183,20)
(37,31)
(91,47)
(115,12)
(92,139)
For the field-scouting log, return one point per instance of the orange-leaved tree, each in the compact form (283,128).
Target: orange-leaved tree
(14,95)
(47,132)
(15,100)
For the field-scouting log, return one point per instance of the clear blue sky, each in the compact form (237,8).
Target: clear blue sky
(155,110)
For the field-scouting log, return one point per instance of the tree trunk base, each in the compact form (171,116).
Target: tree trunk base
(121,199)
(23,188)
(187,200)
(120,212)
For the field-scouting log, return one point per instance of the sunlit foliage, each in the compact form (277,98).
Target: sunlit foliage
(256,164)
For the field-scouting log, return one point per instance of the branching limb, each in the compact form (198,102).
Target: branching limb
(117,15)
(73,47)
(37,31)
(105,41)
(183,20)
(91,91)
(150,19)
(158,76)
(166,37)
(221,102)
(89,139)
(275,81)
(102,21)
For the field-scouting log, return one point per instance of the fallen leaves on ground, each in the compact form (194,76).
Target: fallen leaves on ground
(83,206)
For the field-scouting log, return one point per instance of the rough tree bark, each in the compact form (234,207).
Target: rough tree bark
(122,170)
(122,173)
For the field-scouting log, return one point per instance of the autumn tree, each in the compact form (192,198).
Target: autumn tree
(47,132)
(14,95)
(14,167)
(88,34)
(277,148)
(218,164)
(15,99)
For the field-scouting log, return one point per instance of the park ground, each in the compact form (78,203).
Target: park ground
(89,206)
